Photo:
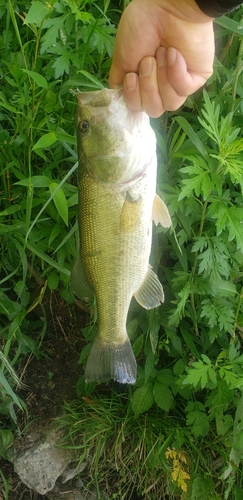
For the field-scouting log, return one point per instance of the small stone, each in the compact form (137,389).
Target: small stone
(79,484)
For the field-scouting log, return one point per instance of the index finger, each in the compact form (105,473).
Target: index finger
(116,76)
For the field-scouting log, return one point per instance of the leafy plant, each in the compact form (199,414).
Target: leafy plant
(189,350)
(178,432)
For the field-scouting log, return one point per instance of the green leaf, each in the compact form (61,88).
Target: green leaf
(211,113)
(9,307)
(8,389)
(38,79)
(59,200)
(218,311)
(99,36)
(10,210)
(229,218)
(224,423)
(176,342)
(238,493)
(188,337)
(201,373)
(6,439)
(179,367)
(50,138)
(35,181)
(166,377)
(37,13)
(191,134)
(61,65)
(199,178)
(27,344)
(142,399)
(202,489)
(85,17)
(69,139)
(154,326)
(54,26)
(197,376)
(36,251)
(214,258)
(45,141)
(162,396)
(8,107)
(197,418)
(84,354)
(92,78)
(138,345)
(53,280)
(180,308)
(236,453)
(206,359)
(229,24)
(132,328)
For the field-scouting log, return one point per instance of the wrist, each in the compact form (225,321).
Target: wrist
(187,10)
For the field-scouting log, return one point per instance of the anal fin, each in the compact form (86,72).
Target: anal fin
(150,294)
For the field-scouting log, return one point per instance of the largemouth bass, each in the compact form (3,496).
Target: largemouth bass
(117,202)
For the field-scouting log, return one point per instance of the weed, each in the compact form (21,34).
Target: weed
(6,486)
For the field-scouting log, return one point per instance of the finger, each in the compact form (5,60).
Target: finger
(131,92)
(171,99)
(116,76)
(184,81)
(149,90)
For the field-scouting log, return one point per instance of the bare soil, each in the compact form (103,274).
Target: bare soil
(49,380)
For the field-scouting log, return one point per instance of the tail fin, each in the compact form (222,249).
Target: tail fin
(107,361)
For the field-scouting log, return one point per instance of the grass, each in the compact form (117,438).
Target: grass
(153,455)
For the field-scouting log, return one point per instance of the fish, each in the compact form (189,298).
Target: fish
(117,203)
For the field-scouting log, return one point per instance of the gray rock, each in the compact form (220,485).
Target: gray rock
(48,469)
(42,463)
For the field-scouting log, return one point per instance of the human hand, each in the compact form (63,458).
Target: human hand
(164,52)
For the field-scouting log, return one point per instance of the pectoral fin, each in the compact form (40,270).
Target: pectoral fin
(79,284)
(130,214)
(161,213)
(150,294)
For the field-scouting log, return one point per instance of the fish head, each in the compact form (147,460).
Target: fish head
(113,141)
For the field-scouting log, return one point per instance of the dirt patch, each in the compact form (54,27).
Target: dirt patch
(49,380)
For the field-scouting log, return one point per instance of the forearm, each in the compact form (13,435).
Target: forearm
(217,8)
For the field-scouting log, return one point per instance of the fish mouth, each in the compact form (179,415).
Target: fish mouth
(99,98)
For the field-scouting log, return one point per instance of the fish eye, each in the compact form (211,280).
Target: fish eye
(83,126)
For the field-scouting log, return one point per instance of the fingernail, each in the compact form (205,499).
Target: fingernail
(130,81)
(146,66)
(115,87)
(171,56)
(161,56)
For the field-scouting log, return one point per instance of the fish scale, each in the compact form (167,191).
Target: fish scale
(115,269)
